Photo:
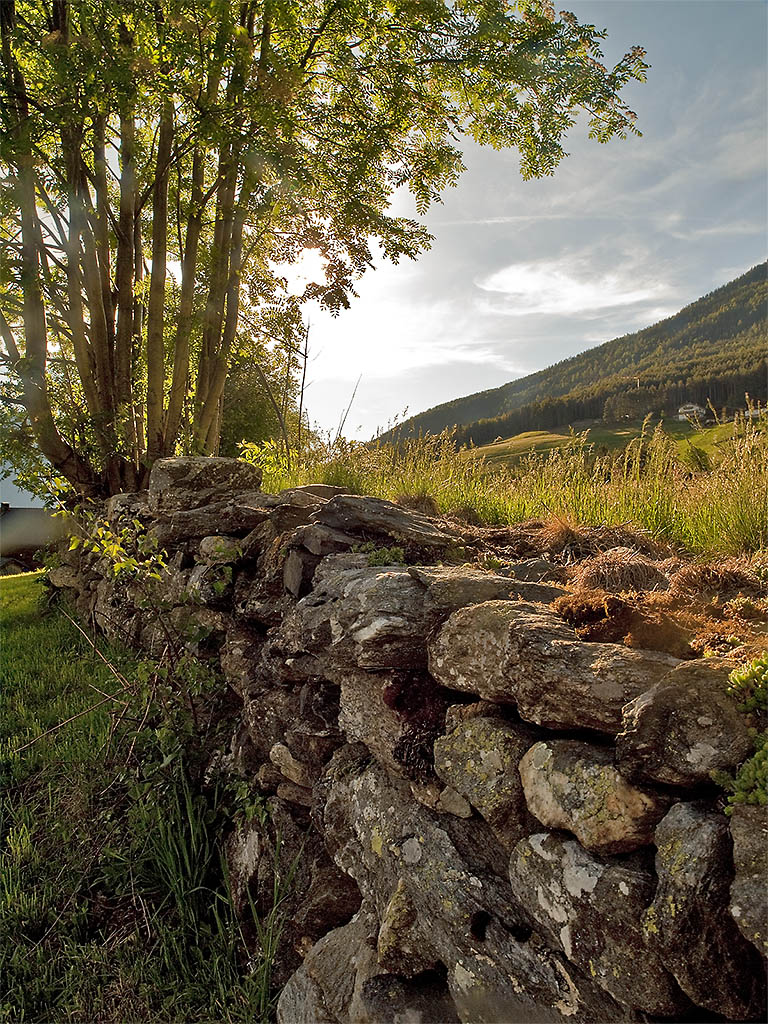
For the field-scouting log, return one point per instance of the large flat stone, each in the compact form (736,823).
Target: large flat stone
(379,517)
(520,653)
(182,483)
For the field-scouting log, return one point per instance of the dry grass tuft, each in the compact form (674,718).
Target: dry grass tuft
(598,617)
(558,536)
(724,579)
(619,569)
(418,503)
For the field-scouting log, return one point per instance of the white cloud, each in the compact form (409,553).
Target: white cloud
(555,288)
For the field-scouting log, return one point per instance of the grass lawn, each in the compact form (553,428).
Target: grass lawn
(603,435)
(113,907)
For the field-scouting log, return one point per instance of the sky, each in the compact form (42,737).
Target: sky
(523,274)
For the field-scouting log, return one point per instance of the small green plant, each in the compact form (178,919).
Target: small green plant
(750,784)
(490,562)
(381,555)
(749,685)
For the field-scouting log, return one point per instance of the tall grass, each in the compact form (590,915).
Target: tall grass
(114,903)
(719,510)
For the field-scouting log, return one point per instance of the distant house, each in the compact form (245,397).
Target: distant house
(691,411)
(12,566)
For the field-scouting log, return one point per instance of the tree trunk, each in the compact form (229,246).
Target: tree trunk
(32,369)
(125,265)
(155,313)
(179,380)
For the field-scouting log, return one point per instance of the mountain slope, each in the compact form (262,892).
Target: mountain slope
(714,349)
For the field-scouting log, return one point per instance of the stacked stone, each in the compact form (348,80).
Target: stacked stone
(495,821)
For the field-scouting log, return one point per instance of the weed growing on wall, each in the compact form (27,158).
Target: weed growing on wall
(749,685)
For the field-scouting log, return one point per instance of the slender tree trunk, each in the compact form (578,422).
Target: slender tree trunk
(179,380)
(61,455)
(218,373)
(214,309)
(156,310)
(125,265)
(101,227)
(75,313)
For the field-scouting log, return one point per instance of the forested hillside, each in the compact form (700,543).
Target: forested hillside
(712,350)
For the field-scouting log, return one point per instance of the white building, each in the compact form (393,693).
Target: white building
(691,411)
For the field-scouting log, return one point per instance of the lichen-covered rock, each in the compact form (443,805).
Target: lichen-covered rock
(592,911)
(683,728)
(522,654)
(365,515)
(122,508)
(191,524)
(342,982)
(302,1001)
(371,617)
(749,890)
(325,983)
(479,759)
(689,924)
(191,482)
(240,659)
(459,912)
(452,587)
(220,550)
(398,946)
(65,577)
(267,714)
(115,611)
(293,770)
(471,650)
(575,786)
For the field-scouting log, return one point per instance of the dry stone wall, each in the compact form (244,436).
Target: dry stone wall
(495,821)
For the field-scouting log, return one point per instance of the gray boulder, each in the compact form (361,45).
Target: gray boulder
(455,909)
(523,654)
(688,924)
(592,911)
(749,891)
(218,517)
(574,785)
(683,728)
(377,516)
(479,760)
(178,484)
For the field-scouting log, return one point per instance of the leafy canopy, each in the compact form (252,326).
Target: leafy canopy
(162,158)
